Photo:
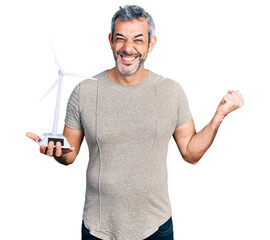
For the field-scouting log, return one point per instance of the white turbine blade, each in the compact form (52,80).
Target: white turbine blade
(55,57)
(78,75)
(51,88)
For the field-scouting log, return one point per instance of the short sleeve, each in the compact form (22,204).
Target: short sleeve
(183,111)
(73,116)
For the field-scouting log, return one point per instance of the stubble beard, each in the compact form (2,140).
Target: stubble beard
(124,72)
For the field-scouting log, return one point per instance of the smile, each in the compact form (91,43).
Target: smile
(128,59)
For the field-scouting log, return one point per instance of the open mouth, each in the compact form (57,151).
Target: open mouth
(128,58)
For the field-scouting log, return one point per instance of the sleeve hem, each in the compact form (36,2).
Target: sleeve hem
(73,126)
(186,120)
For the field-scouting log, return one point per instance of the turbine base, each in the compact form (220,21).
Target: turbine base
(45,138)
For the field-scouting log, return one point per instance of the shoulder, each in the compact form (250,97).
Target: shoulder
(89,86)
(166,84)
(86,90)
(92,82)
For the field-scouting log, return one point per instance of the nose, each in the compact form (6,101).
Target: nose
(128,47)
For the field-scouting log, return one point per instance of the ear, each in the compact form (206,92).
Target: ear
(110,39)
(152,44)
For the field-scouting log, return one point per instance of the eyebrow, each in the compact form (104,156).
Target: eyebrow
(121,35)
(139,35)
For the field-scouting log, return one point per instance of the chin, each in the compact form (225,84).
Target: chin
(128,72)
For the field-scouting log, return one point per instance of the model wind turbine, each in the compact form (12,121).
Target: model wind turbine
(45,138)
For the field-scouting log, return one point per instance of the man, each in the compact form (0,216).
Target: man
(128,117)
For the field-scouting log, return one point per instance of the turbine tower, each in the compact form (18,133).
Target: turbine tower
(45,138)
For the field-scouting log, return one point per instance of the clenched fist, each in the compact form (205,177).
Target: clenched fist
(230,102)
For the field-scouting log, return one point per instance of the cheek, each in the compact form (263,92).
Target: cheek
(116,47)
(143,51)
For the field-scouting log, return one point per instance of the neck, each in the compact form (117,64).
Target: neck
(133,79)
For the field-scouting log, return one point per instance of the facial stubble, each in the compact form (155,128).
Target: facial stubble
(136,68)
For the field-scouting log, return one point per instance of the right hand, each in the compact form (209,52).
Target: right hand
(56,151)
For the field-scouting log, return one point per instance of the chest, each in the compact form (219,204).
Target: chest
(130,116)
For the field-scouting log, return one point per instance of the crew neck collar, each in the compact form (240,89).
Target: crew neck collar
(129,86)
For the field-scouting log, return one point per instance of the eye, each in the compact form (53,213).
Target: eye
(119,39)
(138,40)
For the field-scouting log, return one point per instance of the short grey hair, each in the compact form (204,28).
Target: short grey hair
(130,12)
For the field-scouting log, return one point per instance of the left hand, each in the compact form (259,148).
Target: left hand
(230,102)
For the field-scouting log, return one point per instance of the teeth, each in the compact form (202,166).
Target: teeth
(128,58)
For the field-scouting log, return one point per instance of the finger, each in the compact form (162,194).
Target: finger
(238,93)
(237,98)
(32,136)
(226,98)
(58,149)
(50,148)
(42,149)
(240,96)
(233,100)
(232,95)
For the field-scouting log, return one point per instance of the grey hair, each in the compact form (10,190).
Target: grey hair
(130,12)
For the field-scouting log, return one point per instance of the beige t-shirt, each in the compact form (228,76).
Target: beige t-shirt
(127,129)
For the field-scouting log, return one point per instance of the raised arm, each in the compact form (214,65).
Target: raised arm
(193,145)
(63,156)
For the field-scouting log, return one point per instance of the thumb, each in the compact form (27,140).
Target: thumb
(32,136)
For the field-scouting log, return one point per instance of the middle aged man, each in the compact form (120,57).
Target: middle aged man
(127,117)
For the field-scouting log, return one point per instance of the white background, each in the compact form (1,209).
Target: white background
(208,46)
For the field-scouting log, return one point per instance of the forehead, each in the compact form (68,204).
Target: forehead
(131,27)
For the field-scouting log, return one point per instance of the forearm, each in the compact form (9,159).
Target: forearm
(193,145)
(201,141)
(67,158)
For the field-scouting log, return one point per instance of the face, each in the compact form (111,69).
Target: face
(130,45)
